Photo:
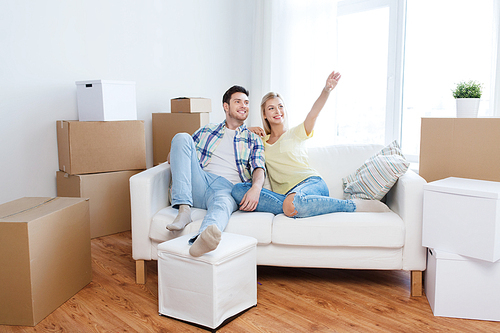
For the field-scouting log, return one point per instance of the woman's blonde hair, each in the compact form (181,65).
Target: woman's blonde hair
(265,122)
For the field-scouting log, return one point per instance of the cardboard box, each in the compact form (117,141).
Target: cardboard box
(44,256)
(91,147)
(461,287)
(109,196)
(460,147)
(167,125)
(102,100)
(190,105)
(463,216)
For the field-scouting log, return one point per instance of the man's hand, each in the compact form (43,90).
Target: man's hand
(250,199)
(257,130)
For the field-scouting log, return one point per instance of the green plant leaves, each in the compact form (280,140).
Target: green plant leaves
(470,89)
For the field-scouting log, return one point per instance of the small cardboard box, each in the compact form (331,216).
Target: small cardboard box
(190,105)
(462,216)
(461,287)
(109,196)
(44,256)
(103,100)
(167,125)
(460,147)
(102,146)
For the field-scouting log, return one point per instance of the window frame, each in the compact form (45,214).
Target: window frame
(395,58)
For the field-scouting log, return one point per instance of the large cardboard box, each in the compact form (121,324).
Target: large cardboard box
(461,287)
(190,105)
(462,216)
(460,147)
(109,196)
(102,146)
(104,100)
(44,256)
(167,125)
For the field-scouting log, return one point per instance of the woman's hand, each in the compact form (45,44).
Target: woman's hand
(332,81)
(257,130)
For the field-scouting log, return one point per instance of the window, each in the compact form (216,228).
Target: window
(399,61)
(362,60)
(447,41)
(369,57)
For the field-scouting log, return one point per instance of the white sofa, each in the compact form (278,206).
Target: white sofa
(388,241)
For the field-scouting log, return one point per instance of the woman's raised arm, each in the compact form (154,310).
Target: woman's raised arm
(331,83)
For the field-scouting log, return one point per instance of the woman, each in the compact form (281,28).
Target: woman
(298,189)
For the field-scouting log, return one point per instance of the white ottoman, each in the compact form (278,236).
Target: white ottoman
(209,289)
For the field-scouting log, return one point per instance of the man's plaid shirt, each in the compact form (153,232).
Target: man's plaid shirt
(248,148)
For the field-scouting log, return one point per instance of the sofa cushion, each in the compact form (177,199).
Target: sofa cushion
(158,229)
(341,229)
(253,224)
(335,162)
(257,225)
(377,175)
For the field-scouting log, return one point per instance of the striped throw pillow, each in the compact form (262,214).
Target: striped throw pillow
(377,175)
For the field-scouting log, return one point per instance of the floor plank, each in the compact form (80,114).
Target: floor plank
(289,300)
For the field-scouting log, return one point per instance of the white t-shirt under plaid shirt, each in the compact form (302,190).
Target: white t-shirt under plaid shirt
(248,148)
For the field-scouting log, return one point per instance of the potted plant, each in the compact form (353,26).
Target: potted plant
(467,95)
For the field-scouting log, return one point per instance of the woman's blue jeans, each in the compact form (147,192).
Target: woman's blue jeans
(311,199)
(193,186)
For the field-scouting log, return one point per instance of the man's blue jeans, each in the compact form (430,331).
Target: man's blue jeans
(311,199)
(197,188)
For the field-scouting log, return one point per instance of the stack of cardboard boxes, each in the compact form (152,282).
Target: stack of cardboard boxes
(45,249)
(459,157)
(98,156)
(187,115)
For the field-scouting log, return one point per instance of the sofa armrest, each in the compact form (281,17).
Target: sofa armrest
(406,200)
(148,195)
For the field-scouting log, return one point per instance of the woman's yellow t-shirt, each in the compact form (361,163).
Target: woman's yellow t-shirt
(287,161)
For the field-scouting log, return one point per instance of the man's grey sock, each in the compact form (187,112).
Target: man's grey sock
(207,241)
(182,219)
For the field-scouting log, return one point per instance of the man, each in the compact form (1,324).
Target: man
(207,165)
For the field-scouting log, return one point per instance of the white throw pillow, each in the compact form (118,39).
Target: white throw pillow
(377,175)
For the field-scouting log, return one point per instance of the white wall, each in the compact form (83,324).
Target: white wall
(170,48)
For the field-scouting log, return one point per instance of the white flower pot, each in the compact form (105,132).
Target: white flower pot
(467,107)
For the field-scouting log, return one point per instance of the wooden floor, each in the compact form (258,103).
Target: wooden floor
(289,300)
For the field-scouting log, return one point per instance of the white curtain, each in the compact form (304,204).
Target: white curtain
(294,51)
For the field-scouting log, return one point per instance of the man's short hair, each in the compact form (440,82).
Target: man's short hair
(234,89)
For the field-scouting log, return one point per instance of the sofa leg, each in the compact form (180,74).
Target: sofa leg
(416,283)
(140,271)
